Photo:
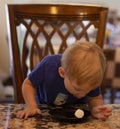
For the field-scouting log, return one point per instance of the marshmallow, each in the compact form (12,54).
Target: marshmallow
(79,113)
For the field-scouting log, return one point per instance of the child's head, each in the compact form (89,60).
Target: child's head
(84,62)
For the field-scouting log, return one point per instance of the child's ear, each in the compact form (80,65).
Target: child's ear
(61,72)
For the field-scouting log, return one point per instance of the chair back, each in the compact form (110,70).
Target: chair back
(37,30)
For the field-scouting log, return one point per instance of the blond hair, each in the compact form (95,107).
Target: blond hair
(84,62)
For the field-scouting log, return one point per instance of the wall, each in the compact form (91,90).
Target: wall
(4,50)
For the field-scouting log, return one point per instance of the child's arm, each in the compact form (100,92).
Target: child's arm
(29,96)
(98,110)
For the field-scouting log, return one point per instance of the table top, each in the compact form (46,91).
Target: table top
(8,119)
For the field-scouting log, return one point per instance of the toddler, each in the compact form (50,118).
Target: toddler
(71,78)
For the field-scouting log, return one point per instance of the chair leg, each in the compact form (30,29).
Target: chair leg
(113,92)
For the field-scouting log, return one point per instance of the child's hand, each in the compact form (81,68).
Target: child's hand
(101,112)
(28,112)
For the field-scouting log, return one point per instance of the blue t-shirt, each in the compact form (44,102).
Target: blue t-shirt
(49,85)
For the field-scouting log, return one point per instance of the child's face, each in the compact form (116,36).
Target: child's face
(75,90)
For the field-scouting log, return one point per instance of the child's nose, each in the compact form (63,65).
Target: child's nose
(79,95)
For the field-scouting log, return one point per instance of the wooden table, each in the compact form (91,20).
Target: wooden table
(8,120)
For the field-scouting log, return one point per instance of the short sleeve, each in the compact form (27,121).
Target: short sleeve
(37,74)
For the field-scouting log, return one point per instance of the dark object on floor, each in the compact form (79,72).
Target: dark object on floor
(8,81)
(66,114)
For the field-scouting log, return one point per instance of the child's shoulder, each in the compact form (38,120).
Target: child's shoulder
(51,60)
(53,57)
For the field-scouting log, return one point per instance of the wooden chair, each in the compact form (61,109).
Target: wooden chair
(111,80)
(36,30)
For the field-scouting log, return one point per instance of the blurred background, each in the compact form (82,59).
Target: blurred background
(112,41)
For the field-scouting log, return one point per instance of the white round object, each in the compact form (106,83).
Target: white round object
(79,113)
